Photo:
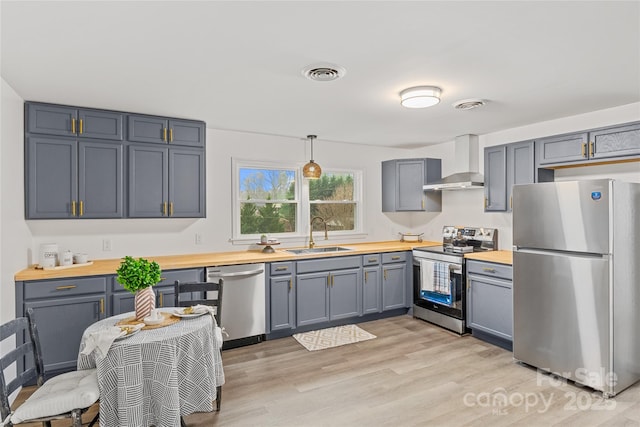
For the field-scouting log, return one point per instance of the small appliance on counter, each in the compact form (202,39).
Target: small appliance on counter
(439,275)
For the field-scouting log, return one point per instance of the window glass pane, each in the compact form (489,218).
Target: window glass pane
(332,186)
(267,184)
(339,216)
(267,218)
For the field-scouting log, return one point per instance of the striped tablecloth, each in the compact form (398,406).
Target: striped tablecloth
(154,376)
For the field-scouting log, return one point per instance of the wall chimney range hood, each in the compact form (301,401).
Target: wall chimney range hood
(466,158)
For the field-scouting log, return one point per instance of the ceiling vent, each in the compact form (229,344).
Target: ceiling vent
(469,104)
(324,72)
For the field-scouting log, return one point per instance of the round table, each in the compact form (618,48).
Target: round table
(155,376)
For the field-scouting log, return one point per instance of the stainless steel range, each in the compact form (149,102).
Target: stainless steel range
(439,275)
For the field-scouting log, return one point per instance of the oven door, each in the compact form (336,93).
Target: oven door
(439,286)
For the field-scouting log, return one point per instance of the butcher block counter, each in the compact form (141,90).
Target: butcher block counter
(213,259)
(500,257)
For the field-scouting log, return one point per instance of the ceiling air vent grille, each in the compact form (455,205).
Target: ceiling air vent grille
(468,104)
(323,73)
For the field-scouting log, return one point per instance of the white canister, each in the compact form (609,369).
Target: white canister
(48,255)
(66,258)
(80,258)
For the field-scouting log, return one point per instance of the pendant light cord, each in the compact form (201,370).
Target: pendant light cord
(311,138)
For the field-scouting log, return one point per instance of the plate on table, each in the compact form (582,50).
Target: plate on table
(187,313)
(129,330)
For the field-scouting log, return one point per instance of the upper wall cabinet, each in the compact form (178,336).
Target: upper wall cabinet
(77,165)
(59,120)
(402,181)
(607,144)
(166,131)
(505,166)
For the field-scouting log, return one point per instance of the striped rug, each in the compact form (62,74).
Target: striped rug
(332,337)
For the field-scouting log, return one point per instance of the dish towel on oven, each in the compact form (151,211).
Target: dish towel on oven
(441,278)
(426,273)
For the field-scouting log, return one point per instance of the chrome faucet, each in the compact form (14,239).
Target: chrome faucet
(326,237)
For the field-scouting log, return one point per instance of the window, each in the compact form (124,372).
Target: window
(273,199)
(268,203)
(332,197)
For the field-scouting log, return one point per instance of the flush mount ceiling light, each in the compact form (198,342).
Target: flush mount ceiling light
(323,72)
(311,170)
(469,104)
(420,96)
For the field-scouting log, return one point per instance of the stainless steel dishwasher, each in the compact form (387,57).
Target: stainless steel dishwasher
(243,302)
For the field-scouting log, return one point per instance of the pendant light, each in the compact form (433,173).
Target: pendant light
(311,170)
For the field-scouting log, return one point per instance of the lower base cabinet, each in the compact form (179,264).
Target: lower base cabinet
(394,280)
(328,289)
(371,290)
(64,308)
(490,302)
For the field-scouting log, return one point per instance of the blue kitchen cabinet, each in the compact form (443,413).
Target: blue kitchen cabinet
(611,143)
(395,280)
(495,178)
(161,130)
(402,181)
(371,284)
(59,120)
(67,178)
(490,302)
(281,305)
(505,166)
(63,309)
(166,182)
(328,289)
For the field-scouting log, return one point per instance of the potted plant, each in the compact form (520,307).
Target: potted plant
(138,276)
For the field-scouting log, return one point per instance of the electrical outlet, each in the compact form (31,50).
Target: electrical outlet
(106,245)
(198,239)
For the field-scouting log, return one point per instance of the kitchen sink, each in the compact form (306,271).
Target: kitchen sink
(319,250)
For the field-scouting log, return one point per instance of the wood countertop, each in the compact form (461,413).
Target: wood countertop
(214,259)
(501,257)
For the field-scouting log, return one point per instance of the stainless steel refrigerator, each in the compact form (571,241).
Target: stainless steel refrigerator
(576,281)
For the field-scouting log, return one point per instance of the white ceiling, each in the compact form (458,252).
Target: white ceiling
(237,65)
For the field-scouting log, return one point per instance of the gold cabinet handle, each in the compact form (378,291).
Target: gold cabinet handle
(373,259)
(170,208)
(101,305)
(489,270)
(385,274)
(366,276)
(80,127)
(511,202)
(164,209)
(329,280)
(290,284)
(486,202)
(161,298)
(73,125)
(171,135)
(81,208)
(332,277)
(423,204)
(591,148)
(73,208)
(164,134)
(583,150)
(282,268)
(66,287)
(395,258)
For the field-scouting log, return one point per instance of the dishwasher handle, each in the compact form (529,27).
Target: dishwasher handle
(214,274)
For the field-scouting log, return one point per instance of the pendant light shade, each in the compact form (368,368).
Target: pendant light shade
(311,170)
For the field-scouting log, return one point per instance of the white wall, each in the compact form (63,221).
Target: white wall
(16,241)
(466,207)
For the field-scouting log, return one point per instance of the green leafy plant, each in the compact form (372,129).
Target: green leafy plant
(135,274)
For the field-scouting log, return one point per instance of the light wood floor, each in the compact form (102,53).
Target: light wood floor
(413,374)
